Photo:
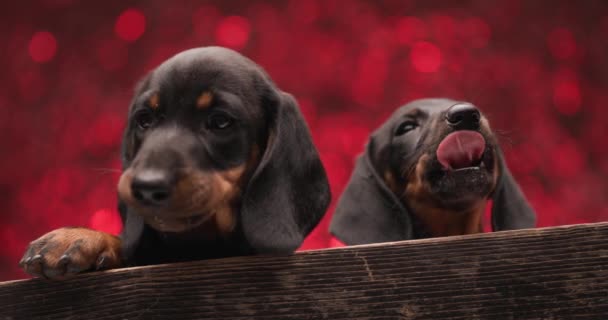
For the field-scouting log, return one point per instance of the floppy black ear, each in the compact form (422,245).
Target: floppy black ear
(131,234)
(510,209)
(368,212)
(128,147)
(129,144)
(132,224)
(289,192)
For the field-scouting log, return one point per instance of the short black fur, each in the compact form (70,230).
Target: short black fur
(285,195)
(370,212)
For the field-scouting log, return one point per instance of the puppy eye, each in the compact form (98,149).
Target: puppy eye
(219,121)
(405,127)
(144,120)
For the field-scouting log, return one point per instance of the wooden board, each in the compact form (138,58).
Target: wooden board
(551,273)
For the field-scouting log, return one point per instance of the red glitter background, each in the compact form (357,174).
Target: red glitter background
(538,69)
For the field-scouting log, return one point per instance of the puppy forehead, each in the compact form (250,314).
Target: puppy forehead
(197,78)
(210,66)
(203,76)
(216,55)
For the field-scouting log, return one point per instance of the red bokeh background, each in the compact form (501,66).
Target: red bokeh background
(538,69)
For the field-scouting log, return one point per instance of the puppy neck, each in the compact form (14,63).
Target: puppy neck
(434,220)
(442,222)
(206,232)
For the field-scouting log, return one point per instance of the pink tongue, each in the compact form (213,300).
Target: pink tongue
(461,149)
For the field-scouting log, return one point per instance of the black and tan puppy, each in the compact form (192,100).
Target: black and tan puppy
(428,172)
(217,162)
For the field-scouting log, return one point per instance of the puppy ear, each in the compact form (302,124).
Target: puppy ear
(129,143)
(128,147)
(289,192)
(132,224)
(510,209)
(368,212)
(131,234)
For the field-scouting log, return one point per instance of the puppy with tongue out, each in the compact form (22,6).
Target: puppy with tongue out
(429,171)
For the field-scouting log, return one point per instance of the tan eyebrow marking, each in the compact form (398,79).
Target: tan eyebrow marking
(153,101)
(204,100)
(416,113)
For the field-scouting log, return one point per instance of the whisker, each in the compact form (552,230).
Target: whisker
(504,138)
(107,170)
(406,171)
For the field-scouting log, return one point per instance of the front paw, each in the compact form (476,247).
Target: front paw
(68,251)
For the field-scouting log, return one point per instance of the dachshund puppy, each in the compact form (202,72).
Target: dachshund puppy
(217,162)
(428,172)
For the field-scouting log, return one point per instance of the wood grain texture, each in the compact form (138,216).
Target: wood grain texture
(551,273)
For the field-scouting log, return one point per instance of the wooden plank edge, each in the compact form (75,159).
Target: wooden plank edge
(535,232)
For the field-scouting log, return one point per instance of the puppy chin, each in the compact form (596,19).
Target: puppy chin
(460,188)
(175,225)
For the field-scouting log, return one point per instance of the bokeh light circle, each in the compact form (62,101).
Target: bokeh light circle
(567,97)
(130,25)
(562,43)
(106,221)
(425,57)
(42,47)
(233,32)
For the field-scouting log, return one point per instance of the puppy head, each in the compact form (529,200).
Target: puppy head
(200,148)
(430,154)
(442,154)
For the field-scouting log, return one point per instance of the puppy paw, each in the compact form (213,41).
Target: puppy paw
(68,251)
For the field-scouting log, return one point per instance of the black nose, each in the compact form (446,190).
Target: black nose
(463,116)
(151,187)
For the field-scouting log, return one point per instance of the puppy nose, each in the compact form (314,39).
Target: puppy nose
(463,116)
(151,187)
